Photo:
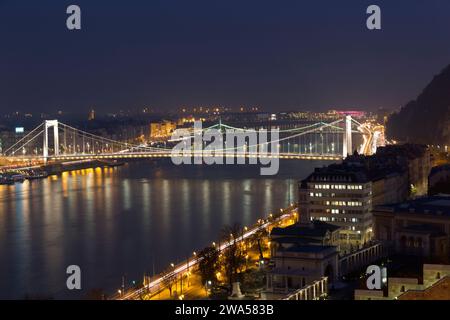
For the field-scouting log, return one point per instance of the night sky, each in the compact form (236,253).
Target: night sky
(279,55)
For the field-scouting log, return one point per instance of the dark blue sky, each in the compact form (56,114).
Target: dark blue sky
(279,55)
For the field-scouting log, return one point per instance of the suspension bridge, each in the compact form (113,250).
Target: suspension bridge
(54,141)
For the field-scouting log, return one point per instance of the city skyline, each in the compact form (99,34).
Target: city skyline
(313,56)
(256,153)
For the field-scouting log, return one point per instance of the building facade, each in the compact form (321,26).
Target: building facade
(417,160)
(390,188)
(340,195)
(296,266)
(418,227)
(302,253)
(164,129)
(434,284)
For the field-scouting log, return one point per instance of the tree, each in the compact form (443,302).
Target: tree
(209,263)
(258,239)
(234,255)
(253,280)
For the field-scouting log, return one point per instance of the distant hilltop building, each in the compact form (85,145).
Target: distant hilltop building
(204,110)
(353,113)
(163,129)
(91,115)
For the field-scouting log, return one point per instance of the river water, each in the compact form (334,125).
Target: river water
(126,221)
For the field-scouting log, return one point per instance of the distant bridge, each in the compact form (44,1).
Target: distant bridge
(56,141)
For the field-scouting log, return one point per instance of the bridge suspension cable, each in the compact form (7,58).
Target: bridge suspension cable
(7,151)
(318,138)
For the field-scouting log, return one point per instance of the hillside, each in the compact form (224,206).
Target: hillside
(426,119)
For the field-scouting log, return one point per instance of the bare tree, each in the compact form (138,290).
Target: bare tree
(209,263)
(258,239)
(234,256)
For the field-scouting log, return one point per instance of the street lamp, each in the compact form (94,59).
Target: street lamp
(188,274)
(175,276)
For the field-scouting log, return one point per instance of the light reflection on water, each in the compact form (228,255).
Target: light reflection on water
(116,221)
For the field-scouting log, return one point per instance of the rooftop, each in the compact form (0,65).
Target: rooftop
(339,173)
(308,248)
(357,169)
(435,205)
(318,229)
(298,241)
(411,151)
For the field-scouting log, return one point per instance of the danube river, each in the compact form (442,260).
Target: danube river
(126,221)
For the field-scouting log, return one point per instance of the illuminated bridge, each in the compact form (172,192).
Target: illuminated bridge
(54,141)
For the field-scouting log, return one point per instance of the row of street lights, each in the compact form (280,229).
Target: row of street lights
(260,222)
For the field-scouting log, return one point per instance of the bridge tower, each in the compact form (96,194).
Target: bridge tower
(47,125)
(347,147)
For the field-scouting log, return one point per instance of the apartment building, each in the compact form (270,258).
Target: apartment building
(341,195)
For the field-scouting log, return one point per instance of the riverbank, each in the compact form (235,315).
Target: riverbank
(58,168)
(132,220)
(43,171)
(176,273)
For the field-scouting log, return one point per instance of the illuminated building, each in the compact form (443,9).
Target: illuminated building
(340,195)
(162,129)
(303,253)
(91,115)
